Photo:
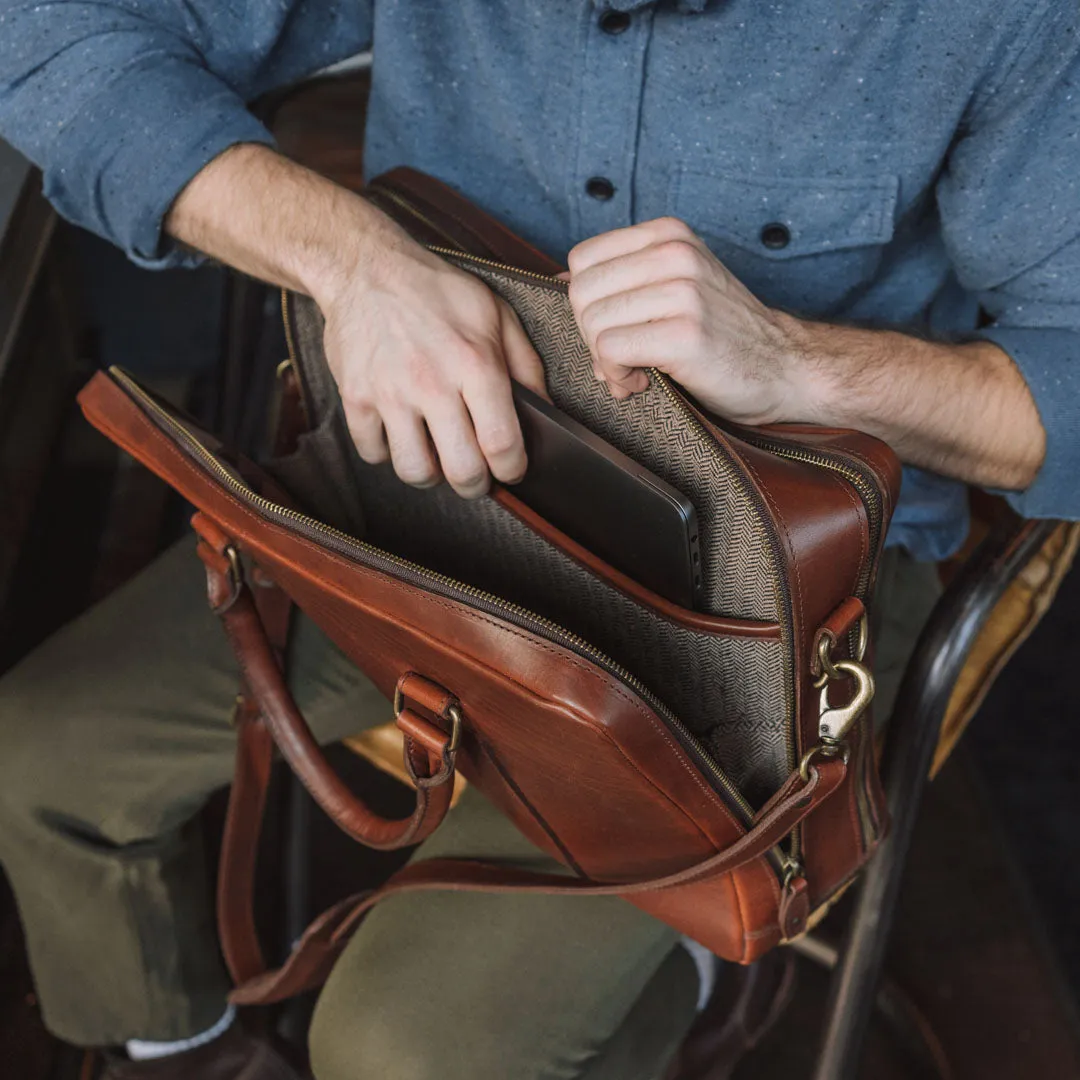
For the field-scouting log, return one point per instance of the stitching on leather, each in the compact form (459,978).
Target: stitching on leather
(864,534)
(607,735)
(611,686)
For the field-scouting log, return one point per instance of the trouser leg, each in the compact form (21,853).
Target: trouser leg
(112,736)
(456,986)
(906,594)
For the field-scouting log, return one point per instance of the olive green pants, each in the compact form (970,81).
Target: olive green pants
(112,736)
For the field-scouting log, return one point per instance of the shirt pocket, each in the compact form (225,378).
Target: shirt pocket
(807,244)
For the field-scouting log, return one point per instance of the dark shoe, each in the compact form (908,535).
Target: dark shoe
(745,1005)
(234,1056)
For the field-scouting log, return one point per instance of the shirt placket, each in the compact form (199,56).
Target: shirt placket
(616,44)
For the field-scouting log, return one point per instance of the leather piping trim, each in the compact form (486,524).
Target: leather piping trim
(692,620)
(540,820)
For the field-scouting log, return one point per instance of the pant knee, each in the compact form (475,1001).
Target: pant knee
(56,768)
(367,1044)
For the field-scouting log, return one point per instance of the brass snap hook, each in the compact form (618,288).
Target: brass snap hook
(834,722)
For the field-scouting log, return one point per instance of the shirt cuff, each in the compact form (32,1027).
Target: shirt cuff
(1049,360)
(119,178)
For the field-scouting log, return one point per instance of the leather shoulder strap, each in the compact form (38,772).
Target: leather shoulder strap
(316,952)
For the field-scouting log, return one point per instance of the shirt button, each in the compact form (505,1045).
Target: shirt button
(776,236)
(600,188)
(614,22)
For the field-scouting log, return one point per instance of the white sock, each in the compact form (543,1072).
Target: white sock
(144,1050)
(708,965)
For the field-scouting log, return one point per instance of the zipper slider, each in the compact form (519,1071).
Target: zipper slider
(794,909)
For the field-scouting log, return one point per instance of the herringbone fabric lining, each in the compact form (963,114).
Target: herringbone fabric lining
(736,562)
(729,691)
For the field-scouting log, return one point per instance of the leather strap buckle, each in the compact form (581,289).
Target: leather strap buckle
(452,712)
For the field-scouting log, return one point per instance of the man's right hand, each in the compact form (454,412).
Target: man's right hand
(422,352)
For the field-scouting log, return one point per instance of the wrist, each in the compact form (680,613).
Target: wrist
(360,245)
(810,371)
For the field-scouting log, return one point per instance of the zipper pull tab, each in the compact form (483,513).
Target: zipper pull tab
(794,910)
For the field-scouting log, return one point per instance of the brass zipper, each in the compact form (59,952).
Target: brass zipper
(867,490)
(871,498)
(786,617)
(549,280)
(369,555)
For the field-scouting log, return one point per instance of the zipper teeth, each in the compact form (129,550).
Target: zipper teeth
(369,553)
(515,271)
(855,477)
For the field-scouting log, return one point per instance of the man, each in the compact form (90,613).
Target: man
(797,209)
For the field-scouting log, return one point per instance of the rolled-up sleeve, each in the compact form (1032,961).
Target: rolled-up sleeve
(1009,201)
(121,103)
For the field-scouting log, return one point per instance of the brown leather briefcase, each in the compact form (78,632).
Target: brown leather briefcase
(713,767)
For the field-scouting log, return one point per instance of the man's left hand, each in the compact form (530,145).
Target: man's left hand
(653,295)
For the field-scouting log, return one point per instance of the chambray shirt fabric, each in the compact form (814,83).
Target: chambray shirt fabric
(924,157)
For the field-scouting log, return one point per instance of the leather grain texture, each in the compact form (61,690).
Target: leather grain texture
(611,729)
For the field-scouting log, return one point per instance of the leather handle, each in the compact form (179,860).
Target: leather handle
(315,953)
(429,759)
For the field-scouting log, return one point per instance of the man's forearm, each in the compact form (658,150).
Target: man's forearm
(959,410)
(422,352)
(269,217)
(654,295)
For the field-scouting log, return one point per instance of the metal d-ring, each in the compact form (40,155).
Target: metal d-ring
(453,711)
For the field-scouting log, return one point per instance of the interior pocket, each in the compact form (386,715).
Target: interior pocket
(322,470)
(724,678)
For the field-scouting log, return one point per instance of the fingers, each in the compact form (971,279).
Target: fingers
(366,428)
(460,458)
(498,432)
(667,261)
(666,299)
(411,450)
(620,242)
(623,350)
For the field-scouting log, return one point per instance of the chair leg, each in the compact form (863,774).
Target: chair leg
(909,1026)
(296,1014)
(911,739)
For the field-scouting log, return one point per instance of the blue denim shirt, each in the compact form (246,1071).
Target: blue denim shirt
(924,159)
